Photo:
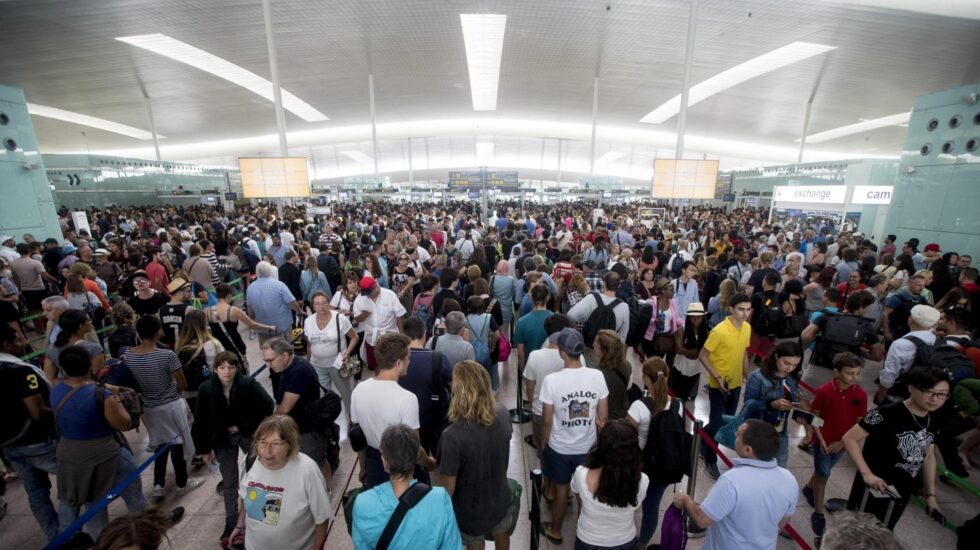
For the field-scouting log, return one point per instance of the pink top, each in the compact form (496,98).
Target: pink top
(672,324)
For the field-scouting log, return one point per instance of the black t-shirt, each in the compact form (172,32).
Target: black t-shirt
(505,246)
(148,306)
(299,378)
(755,280)
(897,444)
(18,382)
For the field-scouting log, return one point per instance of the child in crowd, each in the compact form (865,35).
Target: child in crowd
(840,403)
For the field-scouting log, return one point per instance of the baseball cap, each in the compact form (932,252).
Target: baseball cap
(932,247)
(570,341)
(925,316)
(367,282)
(177,285)
(140,273)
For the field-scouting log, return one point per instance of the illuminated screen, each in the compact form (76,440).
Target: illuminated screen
(274,177)
(684,179)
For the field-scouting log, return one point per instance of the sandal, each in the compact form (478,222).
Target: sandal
(544,531)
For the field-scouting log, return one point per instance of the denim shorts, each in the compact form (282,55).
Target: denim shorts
(823,462)
(559,468)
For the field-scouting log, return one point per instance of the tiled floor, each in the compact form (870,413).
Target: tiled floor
(205,513)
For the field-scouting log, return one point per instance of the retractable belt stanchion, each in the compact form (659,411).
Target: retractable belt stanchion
(520,415)
(535,511)
(692,480)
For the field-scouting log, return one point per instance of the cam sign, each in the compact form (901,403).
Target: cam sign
(824,194)
(872,194)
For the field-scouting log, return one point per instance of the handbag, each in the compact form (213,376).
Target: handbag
(352,365)
(94,311)
(242,357)
(726,433)
(664,343)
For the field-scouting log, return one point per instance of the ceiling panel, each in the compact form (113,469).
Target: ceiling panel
(64,55)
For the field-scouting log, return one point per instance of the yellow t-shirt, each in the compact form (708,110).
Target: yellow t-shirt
(727,345)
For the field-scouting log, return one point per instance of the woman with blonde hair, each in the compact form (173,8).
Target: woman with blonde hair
(611,354)
(572,288)
(312,281)
(473,455)
(278,463)
(196,348)
(718,305)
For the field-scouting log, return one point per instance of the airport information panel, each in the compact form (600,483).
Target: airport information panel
(274,177)
(684,179)
(473,180)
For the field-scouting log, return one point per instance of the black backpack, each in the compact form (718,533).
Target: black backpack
(771,319)
(195,368)
(676,265)
(841,332)
(331,267)
(640,314)
(949,359)
(899,317)
(602,317)
(667,455)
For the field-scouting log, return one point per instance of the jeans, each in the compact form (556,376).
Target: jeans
(67,514)
(494,372)
(33,463)
(651,511)
(227,456)
(782,455)
(132,495)
(176,453)
(720,404)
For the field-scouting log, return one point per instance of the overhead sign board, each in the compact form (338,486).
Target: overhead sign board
(872,194)
(601,182)
(374,182)
(820,194)
(474,180)
(728,197)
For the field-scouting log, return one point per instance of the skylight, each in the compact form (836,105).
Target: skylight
(610,156)
(765,63)
(483,37)
(357,156)
(199,59)
(859,127)
(484,149)
(90,121)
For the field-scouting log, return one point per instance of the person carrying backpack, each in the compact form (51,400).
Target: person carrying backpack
(768,317)
(602,312)
(898,308)
(664,444)
(914,349)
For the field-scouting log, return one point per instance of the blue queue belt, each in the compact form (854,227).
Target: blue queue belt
(107,498)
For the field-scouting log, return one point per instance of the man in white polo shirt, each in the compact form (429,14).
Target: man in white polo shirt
(574,408)
(379,311)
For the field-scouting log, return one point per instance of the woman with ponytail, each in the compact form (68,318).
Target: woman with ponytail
(609,487)
(641,415)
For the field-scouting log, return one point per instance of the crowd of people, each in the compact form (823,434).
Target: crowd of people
(401,318)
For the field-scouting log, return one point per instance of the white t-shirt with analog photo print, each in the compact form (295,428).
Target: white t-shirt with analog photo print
(575,394)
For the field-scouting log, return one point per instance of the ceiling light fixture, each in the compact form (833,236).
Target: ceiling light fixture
(90,121)
(765,63)
(609,157)
(357,156)
(199,59)
(484,149)
(859,127)
(483,37)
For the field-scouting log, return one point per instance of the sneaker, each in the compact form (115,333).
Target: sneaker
(818,522)
(220,488)
(157,493)
(175,515)
(192,484)
(712,471)
(808,495)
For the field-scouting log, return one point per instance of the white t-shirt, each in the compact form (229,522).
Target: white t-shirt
(600,524)
(377,404)
(575,394)
(341,302)
(384,314)
(641,413)
(541,363)
(324,347)
(282,507)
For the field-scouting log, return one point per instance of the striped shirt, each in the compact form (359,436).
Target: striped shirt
(154,372)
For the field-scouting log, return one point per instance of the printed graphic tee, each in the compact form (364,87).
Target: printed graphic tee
(283,506)
(897,444)
(575,394)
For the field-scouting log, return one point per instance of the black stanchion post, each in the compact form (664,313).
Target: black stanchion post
(693,530)
(535,512)
(520,415)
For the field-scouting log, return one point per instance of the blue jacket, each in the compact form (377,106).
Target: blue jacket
(763,391)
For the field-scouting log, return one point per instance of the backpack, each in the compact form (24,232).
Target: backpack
(250,259)
(481,348)
(640,314)
(771,319)
(842,332)
(118,374)
(423,311)
(131,401)
(195,368)
(899,317)
(676,265)
(602,317)
(331,267)
(667,455)
(673,529)
(943,356)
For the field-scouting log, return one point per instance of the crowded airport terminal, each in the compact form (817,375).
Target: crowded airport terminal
(490,274)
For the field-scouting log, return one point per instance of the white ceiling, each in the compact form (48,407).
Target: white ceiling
(64,55)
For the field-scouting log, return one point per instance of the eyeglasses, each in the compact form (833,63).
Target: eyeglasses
(270,360)
(942,396)
(275,444)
